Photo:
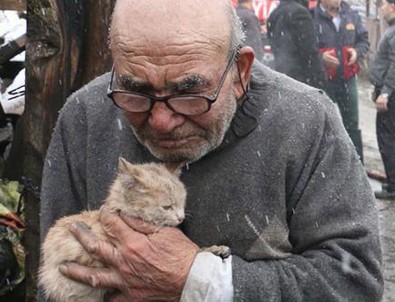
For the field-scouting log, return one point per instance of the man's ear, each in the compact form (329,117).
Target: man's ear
(244,64)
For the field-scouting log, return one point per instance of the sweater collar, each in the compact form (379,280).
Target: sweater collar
(247,115)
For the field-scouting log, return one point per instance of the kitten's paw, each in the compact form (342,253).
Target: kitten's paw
(222,251)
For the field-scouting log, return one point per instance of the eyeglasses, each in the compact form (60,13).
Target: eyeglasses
(186,104)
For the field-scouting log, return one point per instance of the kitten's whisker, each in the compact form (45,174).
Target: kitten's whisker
(188,215)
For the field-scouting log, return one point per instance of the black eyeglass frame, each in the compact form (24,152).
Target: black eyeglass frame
(154,99)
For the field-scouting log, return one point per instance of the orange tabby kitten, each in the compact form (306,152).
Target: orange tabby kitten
(148,191)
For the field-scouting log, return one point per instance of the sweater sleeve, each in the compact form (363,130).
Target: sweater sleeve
(333,229)
(210,279)
(63,186)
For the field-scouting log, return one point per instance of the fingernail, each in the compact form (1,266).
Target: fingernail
(63,268)
(79,225)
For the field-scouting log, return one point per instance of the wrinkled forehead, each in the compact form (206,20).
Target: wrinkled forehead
(158,24)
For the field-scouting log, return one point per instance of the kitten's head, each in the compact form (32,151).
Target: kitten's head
(152,192)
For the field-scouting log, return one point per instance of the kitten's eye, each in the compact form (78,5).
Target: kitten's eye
(166,207)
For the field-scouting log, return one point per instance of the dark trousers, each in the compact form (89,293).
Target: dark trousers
(345,94)
(385,129)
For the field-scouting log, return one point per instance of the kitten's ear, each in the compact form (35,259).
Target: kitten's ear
(124,175)
(123,165)
(175,167)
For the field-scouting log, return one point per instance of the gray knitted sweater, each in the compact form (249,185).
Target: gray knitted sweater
(285,190)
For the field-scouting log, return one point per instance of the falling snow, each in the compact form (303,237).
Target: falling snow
(120,126)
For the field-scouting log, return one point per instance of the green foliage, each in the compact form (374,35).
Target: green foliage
(11,229)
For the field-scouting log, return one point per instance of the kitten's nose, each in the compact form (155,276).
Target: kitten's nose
(180,217)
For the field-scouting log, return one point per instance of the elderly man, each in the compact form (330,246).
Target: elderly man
(272,174)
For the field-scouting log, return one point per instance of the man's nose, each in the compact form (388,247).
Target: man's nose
(163,120)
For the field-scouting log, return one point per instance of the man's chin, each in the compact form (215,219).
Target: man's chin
(177,154)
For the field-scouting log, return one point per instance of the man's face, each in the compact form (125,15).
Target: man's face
(331,4)
(388,10)
(152,62)
(171,136)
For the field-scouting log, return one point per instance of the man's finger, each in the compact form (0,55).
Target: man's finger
(353,56)
(121,227)
(117,297)
(96,247)
(138,224)
(95,277)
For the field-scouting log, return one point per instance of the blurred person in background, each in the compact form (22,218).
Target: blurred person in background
(251,27)
(294,44)
(343,40)
(382,76)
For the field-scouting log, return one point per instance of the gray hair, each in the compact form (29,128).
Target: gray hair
(238,36)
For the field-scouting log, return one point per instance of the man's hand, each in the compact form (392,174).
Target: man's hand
(381,103)
(352,56)
(143,262)
(330,59)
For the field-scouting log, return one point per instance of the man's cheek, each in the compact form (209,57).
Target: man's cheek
(136,120)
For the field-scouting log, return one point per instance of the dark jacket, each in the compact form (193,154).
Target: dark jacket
(252,29)
(382,67)
(285,190)
(294,44)
(352,33)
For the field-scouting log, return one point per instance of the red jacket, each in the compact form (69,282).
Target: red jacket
(348,70)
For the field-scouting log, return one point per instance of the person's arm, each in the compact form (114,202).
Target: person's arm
(388,89)
(63,185)
(362,38)
(179,274)
(209,279)
(333,229)
(142,262)
(303,34)
(389,78)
